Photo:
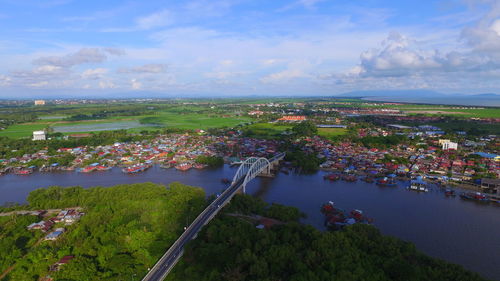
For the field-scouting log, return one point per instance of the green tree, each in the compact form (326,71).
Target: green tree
(305,129)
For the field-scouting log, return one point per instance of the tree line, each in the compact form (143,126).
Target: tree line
(233,249)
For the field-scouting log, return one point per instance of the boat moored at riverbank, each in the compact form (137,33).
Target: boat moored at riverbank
(449,192)
(419,185)
(137,168)
(474,196)
(385,181)
(336,219)
(183,166)
(24,172)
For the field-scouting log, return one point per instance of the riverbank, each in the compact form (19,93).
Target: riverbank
(458,185)
(36,212)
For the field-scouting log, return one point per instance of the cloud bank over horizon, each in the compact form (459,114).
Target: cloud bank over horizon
(248,47)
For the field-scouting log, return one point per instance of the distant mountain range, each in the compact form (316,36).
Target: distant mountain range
(426,96)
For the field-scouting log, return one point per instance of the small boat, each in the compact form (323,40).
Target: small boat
(24,172)
(369,180)
(418,187)
(386,182)
(200,166)
(103,168)
(88,169)
(225,181)
(336,219)
(449,192)
(418,184)
(359,217)
(494,200)
(235,163)
(332,177)
(136,168)
(349,178)
(475,196)
(166,165)
(183,167)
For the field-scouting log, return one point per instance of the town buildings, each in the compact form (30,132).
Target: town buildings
(39,135)
(292,118)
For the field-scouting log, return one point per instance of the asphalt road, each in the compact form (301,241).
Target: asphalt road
(165,264)
(169,259)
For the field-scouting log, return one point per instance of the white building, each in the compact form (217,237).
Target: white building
(449,145)
(38,135)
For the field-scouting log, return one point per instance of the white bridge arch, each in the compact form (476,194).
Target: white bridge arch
(250,169)
(253,166)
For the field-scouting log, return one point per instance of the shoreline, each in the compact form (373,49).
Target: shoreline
(464,186)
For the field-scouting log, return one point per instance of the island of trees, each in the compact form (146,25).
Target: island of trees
(232,248)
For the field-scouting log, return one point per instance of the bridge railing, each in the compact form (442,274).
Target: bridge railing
(280,156)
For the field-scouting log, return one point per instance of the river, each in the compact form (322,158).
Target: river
(458,231)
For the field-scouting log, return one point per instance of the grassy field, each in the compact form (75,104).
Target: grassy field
(265,130)
(161,120)
(193,120)
(331,132)
(22,130)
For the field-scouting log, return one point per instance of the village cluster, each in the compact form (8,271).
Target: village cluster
(53,225)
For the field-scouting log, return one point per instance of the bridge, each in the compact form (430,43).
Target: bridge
(250,169)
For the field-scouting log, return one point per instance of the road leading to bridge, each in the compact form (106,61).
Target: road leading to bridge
(170,258)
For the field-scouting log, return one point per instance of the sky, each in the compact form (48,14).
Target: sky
(69,48)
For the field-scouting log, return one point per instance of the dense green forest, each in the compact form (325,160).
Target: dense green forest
(15,239)
(125,229)
(232,248)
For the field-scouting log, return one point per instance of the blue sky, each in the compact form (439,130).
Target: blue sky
(247,47)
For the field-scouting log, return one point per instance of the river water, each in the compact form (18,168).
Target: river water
(458,231)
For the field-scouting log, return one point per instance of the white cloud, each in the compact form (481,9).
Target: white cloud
(155,20)
(294,70)
(227,63)
(283,76)
(398,56)
(158,19)
(39,84)
(269,62)
(224,74)
(48,70)
(106,84)
(310,3)
(147,68)
(136,85)
(94,73)
(82,56)
(5,80)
